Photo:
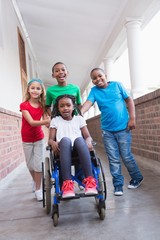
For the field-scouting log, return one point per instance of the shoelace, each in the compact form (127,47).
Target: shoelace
(90,182)
(67,185)
(133,182)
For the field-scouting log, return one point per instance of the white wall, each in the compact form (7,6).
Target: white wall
(10,79)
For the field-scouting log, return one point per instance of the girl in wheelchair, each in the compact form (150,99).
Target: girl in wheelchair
(69,134)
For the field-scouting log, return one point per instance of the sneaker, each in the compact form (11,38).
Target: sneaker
(134,183)
(118,191)
(90,185)
(38,194)
(68,189)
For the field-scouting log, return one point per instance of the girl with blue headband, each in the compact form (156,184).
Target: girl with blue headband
(33,117)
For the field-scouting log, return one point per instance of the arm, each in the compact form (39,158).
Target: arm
(49,100)
(32,122)
(131,110)
(46,116)
(87,137)
(86,106)
(79,106)
(48,110)
(52,141)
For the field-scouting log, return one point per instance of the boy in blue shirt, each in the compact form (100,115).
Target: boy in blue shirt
(116,123)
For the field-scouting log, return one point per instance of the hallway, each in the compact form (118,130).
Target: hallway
(133,216)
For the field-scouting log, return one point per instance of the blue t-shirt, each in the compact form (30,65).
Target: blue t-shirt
(111,103)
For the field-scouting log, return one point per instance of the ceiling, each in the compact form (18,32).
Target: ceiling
(80,33)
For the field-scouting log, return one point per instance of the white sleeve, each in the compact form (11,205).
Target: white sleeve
(53,123)
(82,122)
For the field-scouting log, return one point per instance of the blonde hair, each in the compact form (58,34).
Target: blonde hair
(42,98)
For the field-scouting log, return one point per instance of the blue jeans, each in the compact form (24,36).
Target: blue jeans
(118,144)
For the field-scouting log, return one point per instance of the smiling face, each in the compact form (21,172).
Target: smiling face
(99,78)
(66,107)
(60,73)
(35,90)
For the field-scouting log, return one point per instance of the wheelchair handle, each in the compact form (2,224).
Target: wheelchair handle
(48,147)
(94,143)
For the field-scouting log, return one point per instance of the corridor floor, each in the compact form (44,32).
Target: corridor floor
(133,216)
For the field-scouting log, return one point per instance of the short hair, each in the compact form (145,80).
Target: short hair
(57,64)
(95,69)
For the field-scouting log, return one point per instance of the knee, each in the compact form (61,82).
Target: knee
(79,141)
(65,141)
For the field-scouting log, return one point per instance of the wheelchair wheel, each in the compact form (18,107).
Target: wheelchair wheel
(100,199)
(102,213)
(47,185)
(43,185)
(55,214)
(55,219)
(102,181)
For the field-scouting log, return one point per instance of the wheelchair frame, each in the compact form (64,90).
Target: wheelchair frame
(50,178)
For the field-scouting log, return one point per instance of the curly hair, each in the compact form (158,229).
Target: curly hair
(56,112)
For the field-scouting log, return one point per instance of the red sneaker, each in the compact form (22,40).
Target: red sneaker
(68,189)
(90,185)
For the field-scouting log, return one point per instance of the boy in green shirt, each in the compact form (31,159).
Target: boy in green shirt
(60,72)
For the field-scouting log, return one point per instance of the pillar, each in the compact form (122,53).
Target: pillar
(133,28)
(108,67)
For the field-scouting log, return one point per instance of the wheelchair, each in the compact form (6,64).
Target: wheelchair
(52,181)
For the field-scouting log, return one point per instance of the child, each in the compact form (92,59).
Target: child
(68,132)
(116,123)
(32,135)
(60,72)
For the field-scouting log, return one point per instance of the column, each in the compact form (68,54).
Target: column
(1,37)
(133,28)
(84,96)
(91,110)
(108,67)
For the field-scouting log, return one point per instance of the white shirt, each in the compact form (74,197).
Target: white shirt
(70,129)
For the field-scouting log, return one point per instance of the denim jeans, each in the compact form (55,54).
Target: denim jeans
(118,145)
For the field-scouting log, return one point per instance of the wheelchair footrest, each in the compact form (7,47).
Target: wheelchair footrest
(87,195)
(68,198)
(77,196)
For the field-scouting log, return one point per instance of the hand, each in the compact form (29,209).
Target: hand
(55,148)
(47,119)
(89,144)
(131,124)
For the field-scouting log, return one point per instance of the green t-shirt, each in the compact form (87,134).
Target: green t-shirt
(55,91)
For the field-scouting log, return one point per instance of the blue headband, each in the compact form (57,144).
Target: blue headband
(35,80)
